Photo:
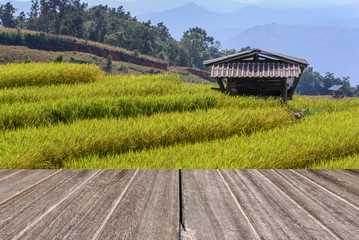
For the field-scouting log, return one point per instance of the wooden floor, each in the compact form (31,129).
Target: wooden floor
(173,204)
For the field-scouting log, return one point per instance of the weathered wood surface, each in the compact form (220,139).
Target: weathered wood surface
(169,204)
(150,209)
(106,204)
(209,210)
(271,204)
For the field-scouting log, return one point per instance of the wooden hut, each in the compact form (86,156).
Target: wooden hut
(337,91)
(257,72)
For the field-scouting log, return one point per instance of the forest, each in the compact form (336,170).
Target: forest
(115,26)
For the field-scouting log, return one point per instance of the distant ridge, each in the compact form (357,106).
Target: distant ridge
(189,15)
(328,49)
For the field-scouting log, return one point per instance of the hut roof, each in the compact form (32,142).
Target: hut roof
(335,87)
(258,53)
(255,70)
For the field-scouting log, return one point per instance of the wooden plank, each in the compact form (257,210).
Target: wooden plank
(354,173)
(209,209)
(6,173)
(79,214)
(20,181)
(339,216)
(149,210)
(274,215)
(26,208)
(146,204)
(339,182)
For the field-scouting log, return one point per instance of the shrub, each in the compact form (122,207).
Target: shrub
(123,68)
(59,58)
(26,59)
(136,53)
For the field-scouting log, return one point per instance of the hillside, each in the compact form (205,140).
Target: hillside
(15,54)
(74,116)
(45,48)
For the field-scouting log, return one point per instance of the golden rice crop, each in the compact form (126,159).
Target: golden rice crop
(50,147)
(316,140)
(108,102)
(111,86)
(349,162)
(20,115)
(39,74)
(160,122)
(320,105)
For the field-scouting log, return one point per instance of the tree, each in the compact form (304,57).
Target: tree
(32,21)
(59,9)
(245,49)
(226,52)
(313,83)
(7,15)
(356,91)
(196,42)
(45,22)
(21,21)
(51,14)
(108,67)
(74,20)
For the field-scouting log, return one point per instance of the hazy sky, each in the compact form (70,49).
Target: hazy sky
(137,7)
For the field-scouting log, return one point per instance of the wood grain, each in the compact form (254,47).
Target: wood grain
(158,204)
(82,211)
(339,217)
(149,210)
(26,208)
(210,212)
(339,182)
(21,181)
(6,173)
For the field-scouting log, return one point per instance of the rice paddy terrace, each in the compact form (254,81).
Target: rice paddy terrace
(69,116)
(73,116)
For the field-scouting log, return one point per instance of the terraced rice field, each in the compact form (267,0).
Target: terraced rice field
(73,116)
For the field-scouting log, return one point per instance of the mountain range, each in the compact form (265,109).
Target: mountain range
(181,18)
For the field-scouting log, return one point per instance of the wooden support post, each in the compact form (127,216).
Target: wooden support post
(295,83)
(292,88)
(221,85)
(229,83)
(284,90)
